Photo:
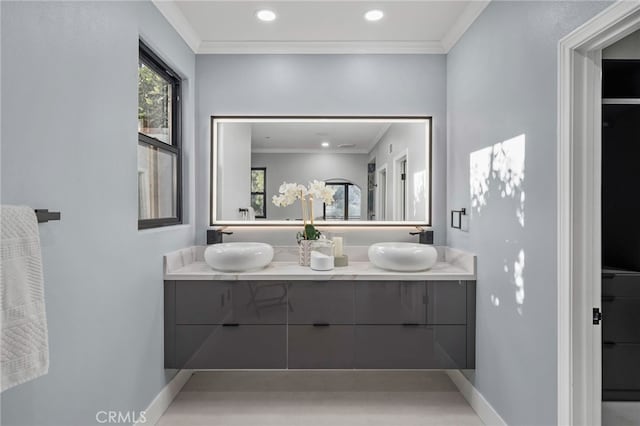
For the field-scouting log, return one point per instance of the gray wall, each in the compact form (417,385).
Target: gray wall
(627,48)
(501,83)
(321,85)
(69,122)
(303,168)
(402,138)
(234,169)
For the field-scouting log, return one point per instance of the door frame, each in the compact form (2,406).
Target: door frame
(579,210)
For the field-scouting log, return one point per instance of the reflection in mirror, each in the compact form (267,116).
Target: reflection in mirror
(378,167)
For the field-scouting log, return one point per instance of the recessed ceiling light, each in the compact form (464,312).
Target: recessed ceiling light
(325,144)
(374,15)
(266,15)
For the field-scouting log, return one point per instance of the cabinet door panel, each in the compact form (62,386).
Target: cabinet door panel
(446,302)
(244,346)
(619,365)
(390,302)
(399,347)
(321,302)
(241,302)
(200,302)
(621,285)
(620,320)
(320,347)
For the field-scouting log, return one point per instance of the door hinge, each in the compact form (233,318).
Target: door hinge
(403,176)
(597,316)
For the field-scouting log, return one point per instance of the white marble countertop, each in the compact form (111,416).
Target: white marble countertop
(188,264)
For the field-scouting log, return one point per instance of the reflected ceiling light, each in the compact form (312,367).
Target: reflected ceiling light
(374,15)
(266,15)
(325,144)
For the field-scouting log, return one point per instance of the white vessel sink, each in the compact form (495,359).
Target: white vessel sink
(403,257)
(238,257)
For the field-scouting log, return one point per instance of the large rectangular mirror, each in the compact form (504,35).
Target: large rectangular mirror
(379,169)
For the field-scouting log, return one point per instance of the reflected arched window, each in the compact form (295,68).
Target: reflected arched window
(347,203)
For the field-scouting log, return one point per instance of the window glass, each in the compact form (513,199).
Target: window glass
(154,104)
(157,183)
(258,191)
(159,147)
(354,202)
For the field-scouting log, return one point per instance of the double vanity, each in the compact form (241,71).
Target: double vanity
(289,316)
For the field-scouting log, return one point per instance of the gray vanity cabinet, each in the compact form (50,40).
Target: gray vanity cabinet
(446,302)
(321,302)
(320,333)
(410,346)
(320,346)
(231,346)
(319,324)
(235,302)
(225,324)
(390,302)
(411,325)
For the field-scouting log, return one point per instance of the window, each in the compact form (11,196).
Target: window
(258,191)
(159,144)
(347,202)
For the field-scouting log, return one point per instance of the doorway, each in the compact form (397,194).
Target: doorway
(371,190)
(400,186)
(579,205)
(620,235)
(381,212)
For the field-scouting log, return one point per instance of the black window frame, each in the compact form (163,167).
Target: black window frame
(154,62)
(263,193)
(346,200)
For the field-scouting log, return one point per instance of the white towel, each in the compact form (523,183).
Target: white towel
(251,213)
(23,325)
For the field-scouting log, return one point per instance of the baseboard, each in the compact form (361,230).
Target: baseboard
(162,401)
(481,406)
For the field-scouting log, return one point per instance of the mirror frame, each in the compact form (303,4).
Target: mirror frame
(213,170)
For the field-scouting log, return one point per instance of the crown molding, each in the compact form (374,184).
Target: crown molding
(172,13)
(468,17)
(320,47)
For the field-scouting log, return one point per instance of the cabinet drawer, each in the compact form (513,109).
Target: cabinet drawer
(320,346)
(399,347)
(390,302)
(620,367)
(621,320)
(446,302)
(241,302)
(621,285)
(243,346)
(321,302)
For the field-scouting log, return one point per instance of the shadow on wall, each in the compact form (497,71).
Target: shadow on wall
(496,176)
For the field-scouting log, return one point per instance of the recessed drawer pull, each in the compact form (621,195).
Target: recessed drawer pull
(608,298)
(410,324)
(609,343)
(320,324)
(232,324)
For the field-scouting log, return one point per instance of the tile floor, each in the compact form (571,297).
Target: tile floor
(314,398)
(622,413)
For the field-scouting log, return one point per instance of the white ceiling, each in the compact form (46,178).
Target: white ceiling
(321,26)
(307,137)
